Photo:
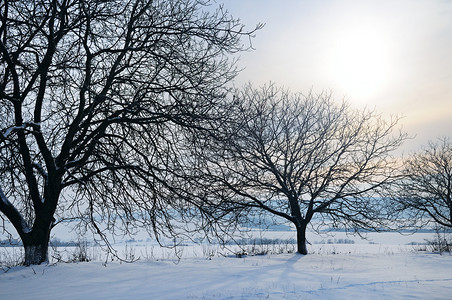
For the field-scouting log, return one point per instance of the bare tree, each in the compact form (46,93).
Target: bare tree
(425,193)
(95,97)
(304,158)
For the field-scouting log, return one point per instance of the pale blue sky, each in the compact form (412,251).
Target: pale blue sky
(392,55)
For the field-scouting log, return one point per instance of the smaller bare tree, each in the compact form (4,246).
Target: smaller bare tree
(304,158)
(425,193)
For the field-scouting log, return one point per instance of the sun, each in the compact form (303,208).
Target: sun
(360,63)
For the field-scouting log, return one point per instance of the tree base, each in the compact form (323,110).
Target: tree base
(35,255)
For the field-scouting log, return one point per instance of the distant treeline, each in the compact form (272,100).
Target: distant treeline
(54,242)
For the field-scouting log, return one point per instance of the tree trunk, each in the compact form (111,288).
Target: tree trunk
(36,254)
(301,239)
(36,245)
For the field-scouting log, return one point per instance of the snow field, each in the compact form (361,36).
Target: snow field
(332,271)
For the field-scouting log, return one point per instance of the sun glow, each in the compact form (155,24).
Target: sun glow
(360,63)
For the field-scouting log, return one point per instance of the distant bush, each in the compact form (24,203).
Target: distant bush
(442,242)
(263,246)
(261,241)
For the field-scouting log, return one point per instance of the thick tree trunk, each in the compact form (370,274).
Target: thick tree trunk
(301,240)
(36,245)
(36,254)
(36,242)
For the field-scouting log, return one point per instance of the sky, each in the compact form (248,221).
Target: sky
(394,56)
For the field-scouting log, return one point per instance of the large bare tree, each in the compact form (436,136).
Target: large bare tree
(425,193)
(95,97)
(304,158)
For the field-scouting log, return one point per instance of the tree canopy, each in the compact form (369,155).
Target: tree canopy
(301,157)
(95,99)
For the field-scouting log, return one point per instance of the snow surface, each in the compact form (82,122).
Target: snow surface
(333,271)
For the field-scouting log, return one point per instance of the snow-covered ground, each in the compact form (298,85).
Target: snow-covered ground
(387,268)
